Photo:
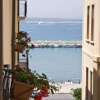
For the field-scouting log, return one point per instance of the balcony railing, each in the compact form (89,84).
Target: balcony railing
(22,11)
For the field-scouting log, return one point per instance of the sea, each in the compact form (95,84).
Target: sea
(59,64)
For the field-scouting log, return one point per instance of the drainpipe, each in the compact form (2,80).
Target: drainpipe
(13,32)
(13,42)
(18,27)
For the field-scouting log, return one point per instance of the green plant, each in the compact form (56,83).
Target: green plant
(24,76)
(22,41)
(29,77)
(77,93)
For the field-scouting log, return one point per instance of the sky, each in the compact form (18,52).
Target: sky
(70,9)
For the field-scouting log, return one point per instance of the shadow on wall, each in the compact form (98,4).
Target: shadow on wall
(93,92)
(99,82)
(89,95)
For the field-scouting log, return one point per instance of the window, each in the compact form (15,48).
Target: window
(91,84)
(87,83)
(88,21)
(92,23)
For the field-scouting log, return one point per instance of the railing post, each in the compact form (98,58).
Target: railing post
(6,82)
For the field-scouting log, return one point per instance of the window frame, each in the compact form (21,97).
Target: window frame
(92,22)
(87,82)
(88,22)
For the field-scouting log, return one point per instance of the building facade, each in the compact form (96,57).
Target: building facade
(8,29)
(91,51)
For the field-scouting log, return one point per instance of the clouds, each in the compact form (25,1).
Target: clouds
(55,8)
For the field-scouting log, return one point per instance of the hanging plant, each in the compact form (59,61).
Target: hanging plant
(22,41)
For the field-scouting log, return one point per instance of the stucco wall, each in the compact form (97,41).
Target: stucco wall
(91,52)
(7,31)
(1,31)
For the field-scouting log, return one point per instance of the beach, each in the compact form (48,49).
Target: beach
(66,87)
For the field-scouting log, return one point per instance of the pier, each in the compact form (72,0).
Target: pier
(56,44)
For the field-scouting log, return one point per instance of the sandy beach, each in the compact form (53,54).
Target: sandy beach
(67,87)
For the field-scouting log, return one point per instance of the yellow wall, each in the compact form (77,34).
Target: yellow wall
(7,31)
(91,53)
(1,33)
(8,28)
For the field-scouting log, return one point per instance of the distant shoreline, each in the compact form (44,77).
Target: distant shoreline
(53,18)
(56,44)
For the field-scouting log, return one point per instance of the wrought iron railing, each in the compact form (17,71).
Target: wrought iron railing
(6,82)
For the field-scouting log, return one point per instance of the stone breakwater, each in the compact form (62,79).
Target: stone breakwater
(56,44)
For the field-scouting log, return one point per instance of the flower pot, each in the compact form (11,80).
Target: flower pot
(22,91)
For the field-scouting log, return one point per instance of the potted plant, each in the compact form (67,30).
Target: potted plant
(23,84)
(25,81)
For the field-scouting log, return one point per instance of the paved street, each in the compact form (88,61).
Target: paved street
(60,97)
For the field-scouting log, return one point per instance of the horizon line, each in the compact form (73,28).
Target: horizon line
(55,18)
